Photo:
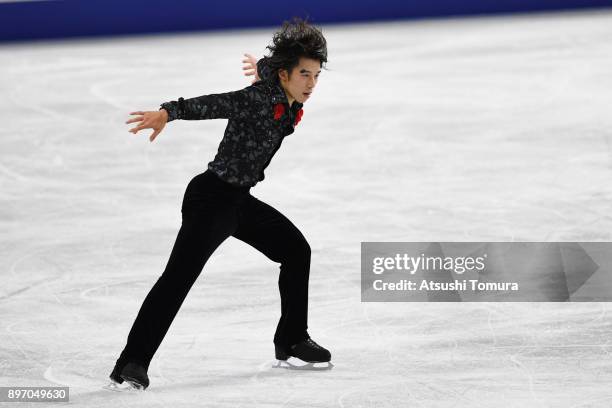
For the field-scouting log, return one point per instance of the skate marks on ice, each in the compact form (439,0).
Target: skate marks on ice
(92,389)
(69,378)
(78,382)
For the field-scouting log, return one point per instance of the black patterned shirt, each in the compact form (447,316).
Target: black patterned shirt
(255,130)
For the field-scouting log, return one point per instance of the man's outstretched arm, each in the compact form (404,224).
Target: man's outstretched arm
(214,106)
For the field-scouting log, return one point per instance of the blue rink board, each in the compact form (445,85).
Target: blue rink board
(42,19)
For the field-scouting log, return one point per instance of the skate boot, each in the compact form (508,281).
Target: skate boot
(136,381)
(309,352)
(135,375)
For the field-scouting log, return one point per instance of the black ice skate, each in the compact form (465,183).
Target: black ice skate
(134,375)
(308,356)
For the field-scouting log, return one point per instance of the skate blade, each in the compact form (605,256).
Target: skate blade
(297,364)
(116,387)
(134,384)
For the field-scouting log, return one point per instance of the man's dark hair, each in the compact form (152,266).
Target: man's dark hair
(296,38)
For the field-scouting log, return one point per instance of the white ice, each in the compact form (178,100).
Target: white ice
(482,129)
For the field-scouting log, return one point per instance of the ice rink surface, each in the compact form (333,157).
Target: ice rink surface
(484,129)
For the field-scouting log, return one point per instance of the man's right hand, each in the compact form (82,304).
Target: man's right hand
(155,120)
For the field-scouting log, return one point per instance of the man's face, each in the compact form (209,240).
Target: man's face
(303,79)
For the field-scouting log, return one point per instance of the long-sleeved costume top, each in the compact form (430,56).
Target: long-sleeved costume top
(259,119)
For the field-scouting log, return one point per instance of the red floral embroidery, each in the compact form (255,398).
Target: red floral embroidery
(279,109)
(298,117)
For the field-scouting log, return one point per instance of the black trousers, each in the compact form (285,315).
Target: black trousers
(212,211)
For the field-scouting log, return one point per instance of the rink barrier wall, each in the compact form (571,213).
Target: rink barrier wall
(50,19)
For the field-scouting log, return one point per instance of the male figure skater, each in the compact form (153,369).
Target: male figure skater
(217,203)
